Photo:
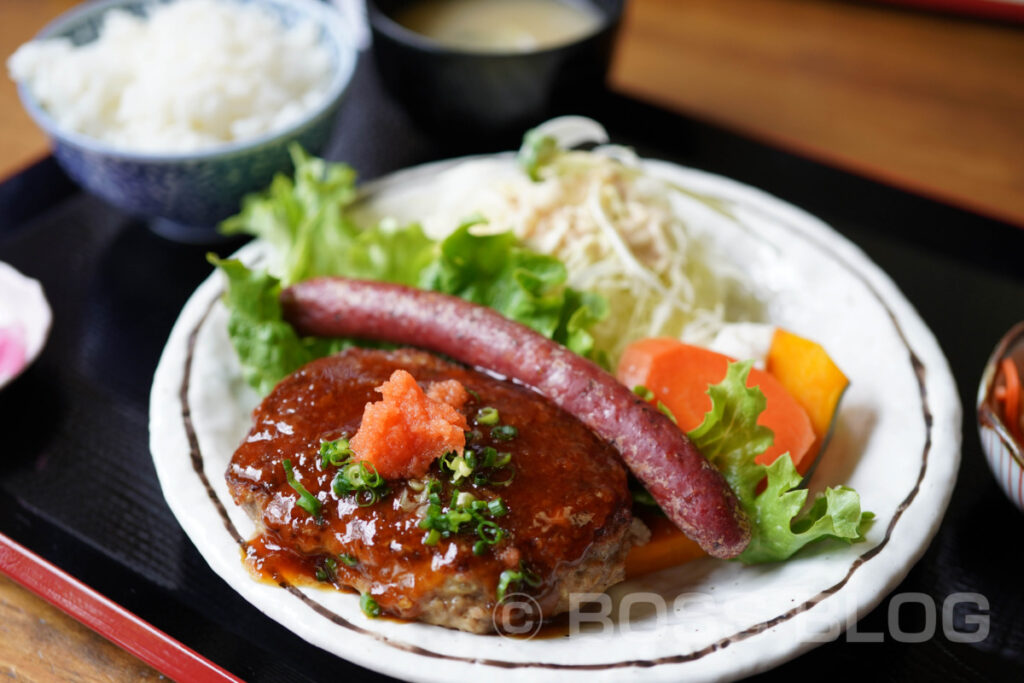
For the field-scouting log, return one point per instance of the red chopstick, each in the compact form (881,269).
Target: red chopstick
(151,645)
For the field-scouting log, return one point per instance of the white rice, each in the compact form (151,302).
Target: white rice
(193,75)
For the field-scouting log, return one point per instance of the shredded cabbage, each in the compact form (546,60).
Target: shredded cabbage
(620,234)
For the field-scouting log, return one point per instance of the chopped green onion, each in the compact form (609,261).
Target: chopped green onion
(335,453)
(326,570)
(457,517)
(489,532)
(512,576)
(461,468)
(433,519)
(366,498)
(475,462)
(369,606)
(457,465)
(348,560)
(464,510)
(488,416)
(489,455)
(504,432)
(307,501)
(507,578)
(362,480)
(643,392)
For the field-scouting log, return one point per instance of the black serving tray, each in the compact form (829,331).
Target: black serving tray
(77,483)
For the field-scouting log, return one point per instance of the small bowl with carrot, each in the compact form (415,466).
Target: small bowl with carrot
(1001,413)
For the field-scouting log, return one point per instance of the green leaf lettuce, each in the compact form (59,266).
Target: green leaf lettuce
(730,438)
(494,270)
(305,220)
(268,348)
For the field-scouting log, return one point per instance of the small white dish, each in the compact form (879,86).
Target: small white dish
(25,319)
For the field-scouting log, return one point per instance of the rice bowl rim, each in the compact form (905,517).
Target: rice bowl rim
(324,16)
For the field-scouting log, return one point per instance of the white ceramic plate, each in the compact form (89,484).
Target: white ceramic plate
(25,319)
(897,443)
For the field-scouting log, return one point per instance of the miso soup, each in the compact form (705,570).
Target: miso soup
(501,25)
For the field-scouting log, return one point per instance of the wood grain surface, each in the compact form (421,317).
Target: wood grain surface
(40,643)
(21,143)
(929,103)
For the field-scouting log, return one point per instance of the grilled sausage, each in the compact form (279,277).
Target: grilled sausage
(689,489)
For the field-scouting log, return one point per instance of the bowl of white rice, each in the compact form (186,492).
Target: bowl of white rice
(175,110)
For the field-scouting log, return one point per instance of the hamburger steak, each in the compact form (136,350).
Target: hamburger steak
(564,509)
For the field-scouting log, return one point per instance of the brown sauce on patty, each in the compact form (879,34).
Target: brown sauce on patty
(567,502)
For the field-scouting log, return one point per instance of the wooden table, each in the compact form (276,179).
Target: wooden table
(925,102)
(929,103)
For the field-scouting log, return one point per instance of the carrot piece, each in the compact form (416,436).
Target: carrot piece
(801,404)
(679,374)
(1011,398)
(668,547)
(811,377)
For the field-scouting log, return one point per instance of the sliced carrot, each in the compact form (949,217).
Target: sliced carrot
(668,547)
(802,391)
(1011,397)
(679,374)
(811,377)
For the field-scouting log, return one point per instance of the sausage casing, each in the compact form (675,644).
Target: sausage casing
(688,488)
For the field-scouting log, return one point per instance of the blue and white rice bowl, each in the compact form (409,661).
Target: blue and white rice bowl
(194,188)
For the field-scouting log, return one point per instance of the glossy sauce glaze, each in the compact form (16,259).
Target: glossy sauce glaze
(567,499)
